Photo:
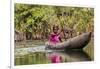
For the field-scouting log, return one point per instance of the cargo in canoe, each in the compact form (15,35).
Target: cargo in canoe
(77,42)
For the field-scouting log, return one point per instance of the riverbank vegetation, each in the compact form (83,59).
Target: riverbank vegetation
(35,22)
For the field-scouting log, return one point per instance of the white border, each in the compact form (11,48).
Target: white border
(4,34)
(12,34)
(77,3)
(72,3)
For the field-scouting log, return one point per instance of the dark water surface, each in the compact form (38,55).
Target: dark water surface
(24,57)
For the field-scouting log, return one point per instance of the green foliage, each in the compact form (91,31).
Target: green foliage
(39,19)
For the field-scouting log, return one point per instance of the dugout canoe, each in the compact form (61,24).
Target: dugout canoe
(77,42)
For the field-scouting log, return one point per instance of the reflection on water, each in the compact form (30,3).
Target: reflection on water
(31,58)
(87,54)
(52,57)
(72,56)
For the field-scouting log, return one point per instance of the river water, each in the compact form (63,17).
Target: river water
(32,52)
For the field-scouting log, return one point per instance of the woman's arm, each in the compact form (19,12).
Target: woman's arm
(60,39)
(60,31)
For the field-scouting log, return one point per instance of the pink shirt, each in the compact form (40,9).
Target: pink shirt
(54,38)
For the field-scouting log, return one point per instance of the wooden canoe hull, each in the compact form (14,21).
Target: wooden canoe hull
(77,42)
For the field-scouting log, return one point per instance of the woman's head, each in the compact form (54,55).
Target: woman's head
(55,29)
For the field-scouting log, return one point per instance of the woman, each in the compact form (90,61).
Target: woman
(54,37)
